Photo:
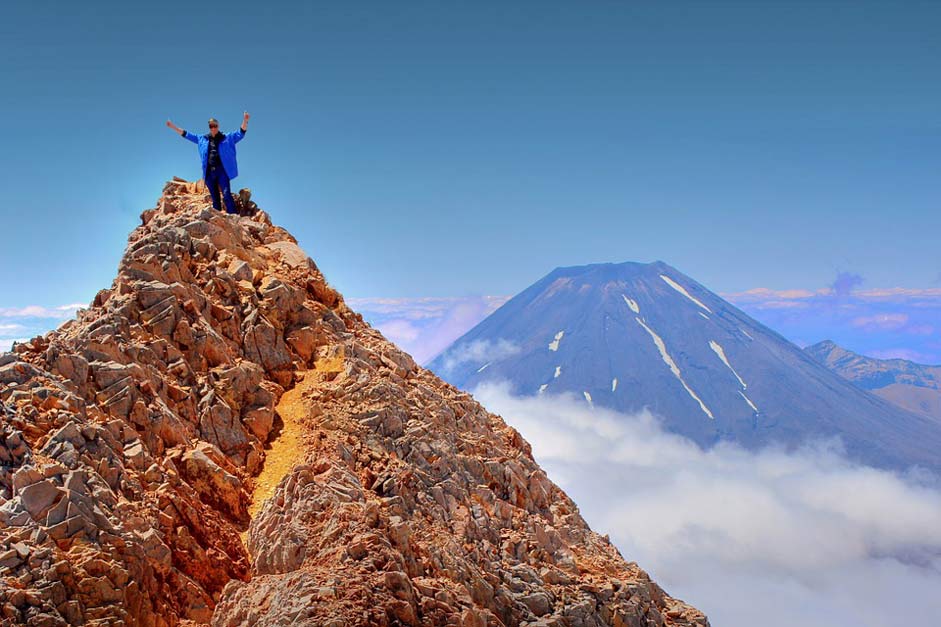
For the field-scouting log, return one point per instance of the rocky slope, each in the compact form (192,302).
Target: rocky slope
(915,387)
(635,336)
(131,439)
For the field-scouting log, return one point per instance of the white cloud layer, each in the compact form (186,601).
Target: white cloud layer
(17,324)
(38,311)
(874,322)
(424,327)
(478,352)
(769,538)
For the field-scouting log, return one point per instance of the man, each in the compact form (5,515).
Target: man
(217,151)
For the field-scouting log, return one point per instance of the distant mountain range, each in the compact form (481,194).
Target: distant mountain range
(915,387)
(632,336)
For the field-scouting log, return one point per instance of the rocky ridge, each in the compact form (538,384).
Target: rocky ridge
(912,386)
(132,436)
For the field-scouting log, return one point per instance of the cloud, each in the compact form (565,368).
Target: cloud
(401,332)
(18,323)
(782,304)
(902,293)
(880,322)
(424,327)
(891,322)
(868,321)
(478,352)
(765,293)
(762,296)
(845,283)
(772,537)
(903,353)
(39,311)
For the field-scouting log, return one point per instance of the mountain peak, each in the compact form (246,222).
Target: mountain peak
(623,268)
(635,337)
(911,386)
(220,439)
(828,351)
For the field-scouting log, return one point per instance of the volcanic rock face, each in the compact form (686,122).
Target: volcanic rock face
(130,440)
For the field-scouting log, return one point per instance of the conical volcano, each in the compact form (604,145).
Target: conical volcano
(635,336)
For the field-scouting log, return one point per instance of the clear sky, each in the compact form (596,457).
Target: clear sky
(460,148)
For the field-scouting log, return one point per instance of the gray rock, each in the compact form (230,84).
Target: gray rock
(240,270)
(538,603)
(39,497)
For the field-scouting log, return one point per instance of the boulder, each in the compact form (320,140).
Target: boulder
(214,485)
(38,497)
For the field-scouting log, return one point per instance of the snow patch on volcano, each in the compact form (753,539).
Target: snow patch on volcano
(717,349)
(554,344)
(658,341)
(682,290)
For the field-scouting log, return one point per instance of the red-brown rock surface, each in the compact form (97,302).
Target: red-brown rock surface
(131,439)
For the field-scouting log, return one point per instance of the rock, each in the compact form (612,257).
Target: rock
(132,438)
(135,455)
(183,334)
(259,421)
(538,603)
(10,559)
(264,345)
(39,497)
(400,586)
(304,342)
(240,270)
(16,372)
(214,484)
(25,476)
(244,203)
(291,254)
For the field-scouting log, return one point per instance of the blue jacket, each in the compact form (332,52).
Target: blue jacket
(226,150)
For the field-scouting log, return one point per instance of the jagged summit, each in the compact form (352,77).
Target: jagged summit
(139,442)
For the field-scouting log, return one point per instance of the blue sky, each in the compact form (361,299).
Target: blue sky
(457,149)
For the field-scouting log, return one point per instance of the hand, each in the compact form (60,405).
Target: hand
(245,116)
(170,124)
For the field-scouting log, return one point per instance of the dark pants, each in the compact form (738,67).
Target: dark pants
(217,179)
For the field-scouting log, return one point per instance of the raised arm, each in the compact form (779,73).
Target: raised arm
(182,133)
(240,133)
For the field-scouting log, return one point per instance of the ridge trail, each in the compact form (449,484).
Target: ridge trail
(287,449)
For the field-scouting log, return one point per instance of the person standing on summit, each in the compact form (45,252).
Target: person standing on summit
(217,151)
